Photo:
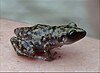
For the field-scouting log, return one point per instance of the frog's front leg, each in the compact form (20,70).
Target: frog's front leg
(49,56)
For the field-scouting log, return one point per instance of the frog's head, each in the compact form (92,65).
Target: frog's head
(73,33)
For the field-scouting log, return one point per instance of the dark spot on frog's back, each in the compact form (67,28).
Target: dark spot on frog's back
(40,26)
(37,33)
(71,25)
(16,31)
(44,30)
(54,27)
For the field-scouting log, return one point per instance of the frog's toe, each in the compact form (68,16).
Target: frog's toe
(55,53)
(50,59)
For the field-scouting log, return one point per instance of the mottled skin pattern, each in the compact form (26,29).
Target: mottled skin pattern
(37,41)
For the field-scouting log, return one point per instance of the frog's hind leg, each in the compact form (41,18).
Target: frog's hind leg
(16,44)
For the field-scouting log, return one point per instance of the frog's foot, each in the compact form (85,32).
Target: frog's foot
(44,58)
(50,58)
(54,54)
(15,43)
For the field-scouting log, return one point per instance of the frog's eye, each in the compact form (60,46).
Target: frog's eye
(71,25)
(72,34)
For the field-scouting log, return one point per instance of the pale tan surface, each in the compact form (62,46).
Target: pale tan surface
(80,56)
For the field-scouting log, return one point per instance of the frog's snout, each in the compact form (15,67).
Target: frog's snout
(81,34)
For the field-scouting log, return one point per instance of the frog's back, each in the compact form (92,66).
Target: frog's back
(39,30)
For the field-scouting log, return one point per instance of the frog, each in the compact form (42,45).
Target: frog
(37,41)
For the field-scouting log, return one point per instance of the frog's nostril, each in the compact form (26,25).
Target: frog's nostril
(81,34)
(84,33)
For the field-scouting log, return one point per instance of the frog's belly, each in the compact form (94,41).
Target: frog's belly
(40,53)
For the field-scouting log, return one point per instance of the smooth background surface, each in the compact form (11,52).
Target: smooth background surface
(83,55)
(86,13)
